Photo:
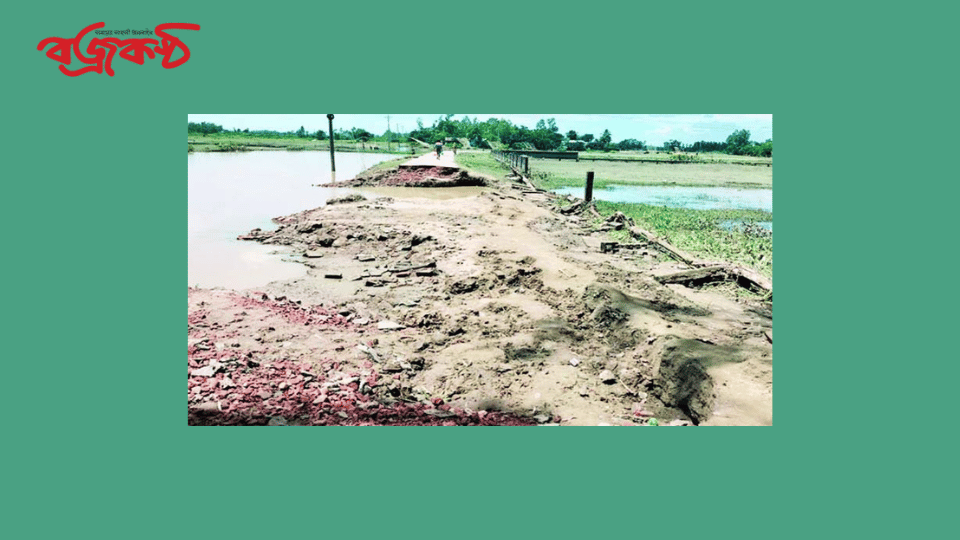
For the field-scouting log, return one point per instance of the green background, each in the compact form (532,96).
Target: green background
(96,233)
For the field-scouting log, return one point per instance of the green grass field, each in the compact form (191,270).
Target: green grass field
(481,161)
(653,155)
(553,174)
(699,232)
(241,142)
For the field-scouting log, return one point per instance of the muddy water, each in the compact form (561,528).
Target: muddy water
(697,198)
(229,194)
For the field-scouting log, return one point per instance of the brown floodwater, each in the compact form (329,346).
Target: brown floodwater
(228,194)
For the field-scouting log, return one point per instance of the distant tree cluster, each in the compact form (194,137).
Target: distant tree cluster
(545,136)
(738,144)
(706,146)
(204,128)
(575,141)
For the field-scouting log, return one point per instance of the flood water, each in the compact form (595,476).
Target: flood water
(697,198)
(228,194)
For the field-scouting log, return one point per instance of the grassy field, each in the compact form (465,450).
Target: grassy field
(698,232)
(241,142)
(553,174)
(652,155)
(481,161)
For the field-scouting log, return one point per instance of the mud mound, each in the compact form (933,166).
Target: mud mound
(608,306)
(611,306)
(356,197)
(682,380)
(415,177)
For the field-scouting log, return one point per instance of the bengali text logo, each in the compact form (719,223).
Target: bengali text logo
(101,50)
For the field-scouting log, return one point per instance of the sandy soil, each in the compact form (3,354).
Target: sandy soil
(490,308)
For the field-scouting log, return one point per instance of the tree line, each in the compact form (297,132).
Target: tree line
(500,133)
(547,136)
(738,144)
(352,134)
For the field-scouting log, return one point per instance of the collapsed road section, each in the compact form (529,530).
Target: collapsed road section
(488,309)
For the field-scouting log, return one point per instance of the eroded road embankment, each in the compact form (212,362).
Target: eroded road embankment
(486,309)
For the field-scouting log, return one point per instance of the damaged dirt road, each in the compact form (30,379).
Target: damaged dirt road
(473,306)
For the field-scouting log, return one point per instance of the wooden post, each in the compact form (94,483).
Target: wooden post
(588,192)
(333,165)
(526,165)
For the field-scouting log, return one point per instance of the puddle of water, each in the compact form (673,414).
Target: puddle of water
(696,198)
(434,193)
(732,224)
(228,194)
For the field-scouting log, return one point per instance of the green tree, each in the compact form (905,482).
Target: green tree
(475,135)
(302,133)
(759,150)
(546,136)
(606,138)
(204,128)
(738,141)
(446,126)
(671,144)
(572,135)
(359,134)
(587,137)
(630,144)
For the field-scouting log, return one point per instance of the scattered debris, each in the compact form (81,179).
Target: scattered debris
(501,326)
(388,325)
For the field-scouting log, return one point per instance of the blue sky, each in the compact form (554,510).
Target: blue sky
(650,128)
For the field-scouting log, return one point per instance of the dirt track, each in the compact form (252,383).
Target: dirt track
(490,308)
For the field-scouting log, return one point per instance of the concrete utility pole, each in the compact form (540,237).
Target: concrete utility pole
(333,165)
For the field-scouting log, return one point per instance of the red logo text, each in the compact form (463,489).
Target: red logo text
(101,50)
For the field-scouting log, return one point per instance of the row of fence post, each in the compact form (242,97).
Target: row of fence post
(515,160)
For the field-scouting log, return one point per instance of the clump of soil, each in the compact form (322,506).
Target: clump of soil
(682,379)
(415,177)
(355,197)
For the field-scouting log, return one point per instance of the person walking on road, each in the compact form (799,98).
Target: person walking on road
(439,148)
